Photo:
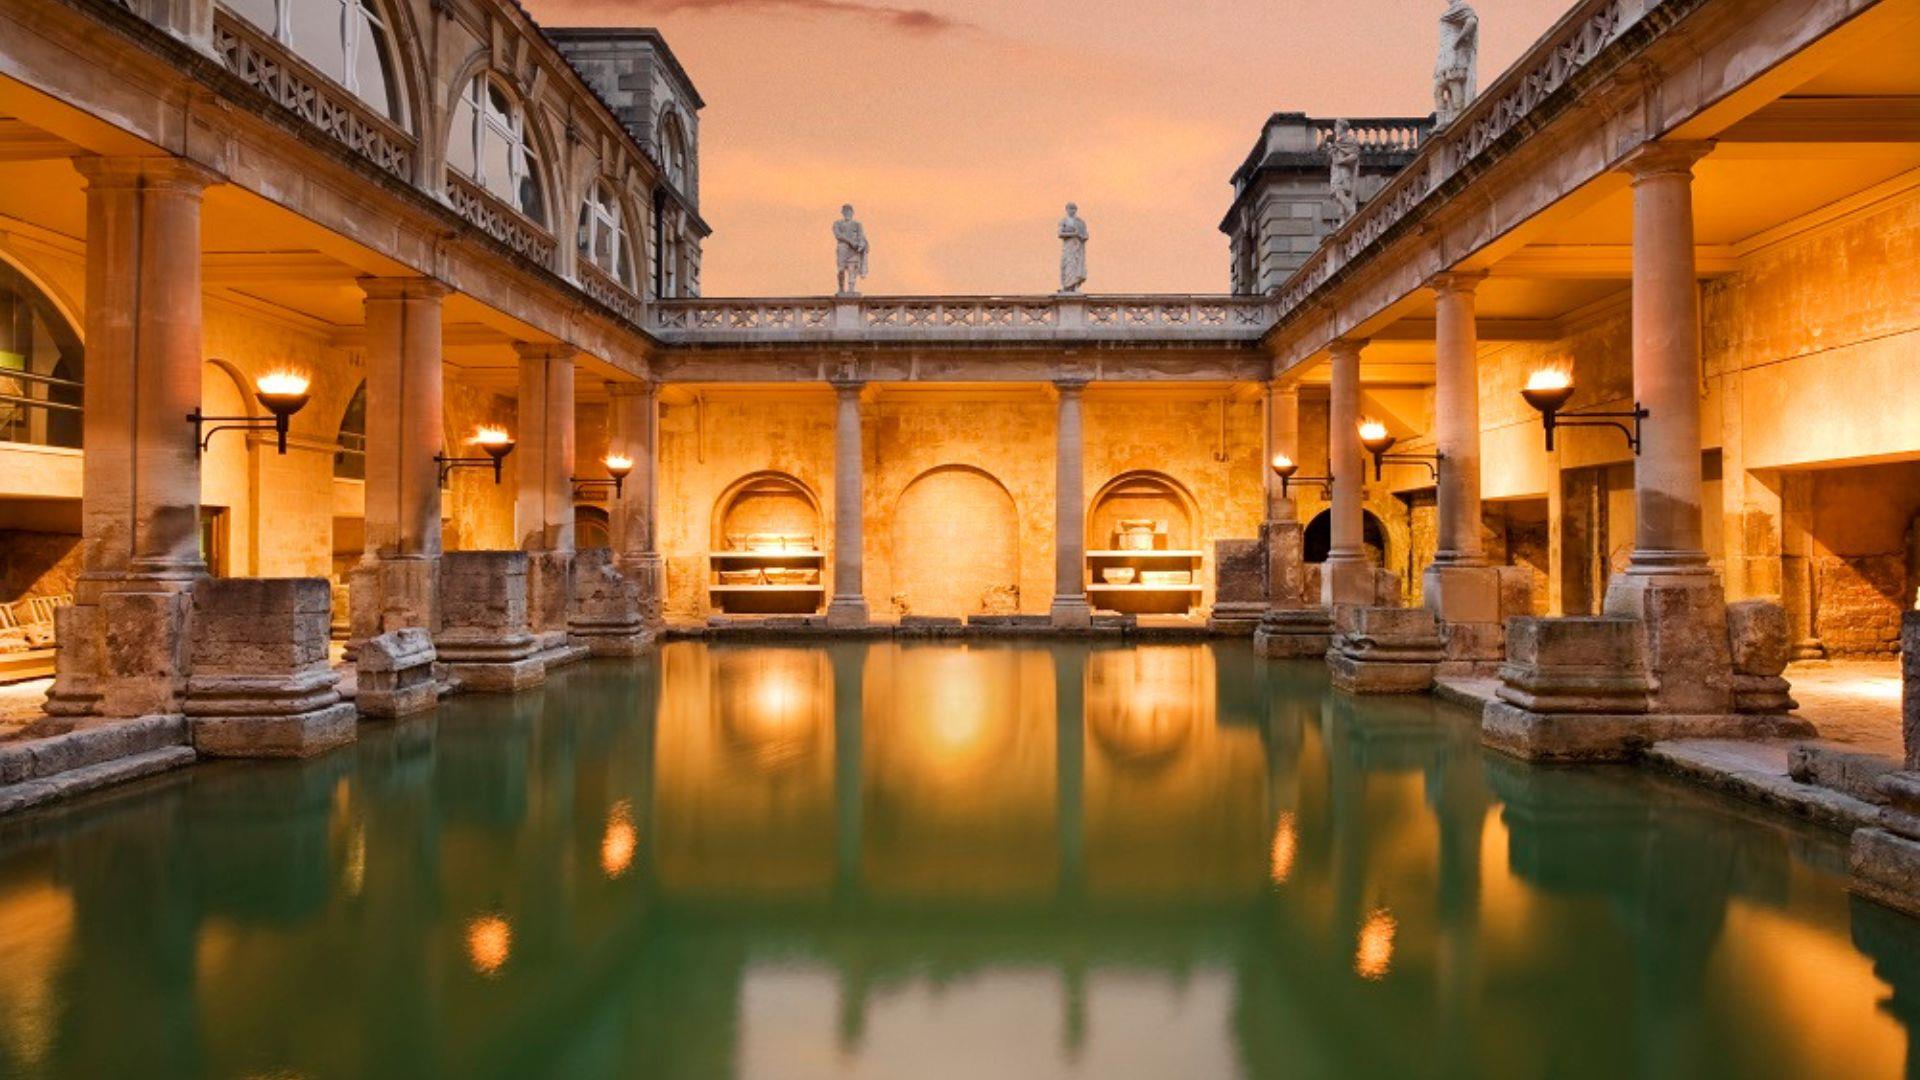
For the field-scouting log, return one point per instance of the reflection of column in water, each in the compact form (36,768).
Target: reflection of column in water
(1346,785)
(1069,699)
(849,698)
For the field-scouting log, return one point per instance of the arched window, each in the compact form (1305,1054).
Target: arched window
(41,367)
(346,40)
(350,460)
(490,145)
(673,150)
(603,234)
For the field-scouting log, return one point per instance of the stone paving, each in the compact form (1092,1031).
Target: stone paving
(1855,702)
(21,704)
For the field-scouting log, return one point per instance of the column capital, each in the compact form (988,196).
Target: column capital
(543,350)
(1071,385)
(847,385)
(403,288)
(1652,159)
(1453,282)
(147,173)
(1348,347)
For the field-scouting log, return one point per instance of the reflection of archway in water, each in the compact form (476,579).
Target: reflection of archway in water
(772,706)
(956,542)
(1145,704)
(1318,538)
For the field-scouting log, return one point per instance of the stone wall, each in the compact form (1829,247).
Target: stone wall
(478,514)
(37,564)
(1864,523)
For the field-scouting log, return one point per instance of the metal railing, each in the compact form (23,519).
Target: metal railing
(19,402)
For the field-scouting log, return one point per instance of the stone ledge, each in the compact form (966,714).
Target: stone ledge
(308,734)
(1534,736)
(1885,868)
(84,747)
(32,793)
(1756,772)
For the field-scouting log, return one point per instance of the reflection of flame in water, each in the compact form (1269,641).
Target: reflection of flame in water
(1375,953)
(489,943)
(357,859)
(1144,703)
(619,842)
(770,706)
(1280,859)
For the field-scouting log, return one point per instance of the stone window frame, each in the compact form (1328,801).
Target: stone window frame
(355,17)
(603,215)
(493,109)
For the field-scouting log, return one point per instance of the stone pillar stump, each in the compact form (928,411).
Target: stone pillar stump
(485,642)
(607,618)
(262,686)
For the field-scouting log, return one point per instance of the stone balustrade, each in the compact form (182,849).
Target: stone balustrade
(961,319)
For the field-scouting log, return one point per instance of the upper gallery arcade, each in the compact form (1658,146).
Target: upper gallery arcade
(1703,215)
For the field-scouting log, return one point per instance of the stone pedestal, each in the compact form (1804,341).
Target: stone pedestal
(1467,601)
(1760,642)
(1294,626)
(261,685)
(395,675)
(1384,650)
(1683,621)
(1581,689)
(550,606)
(484,642)
(1294,633)
(1884,862)
(607,618)
(1240,587)
(1910,696)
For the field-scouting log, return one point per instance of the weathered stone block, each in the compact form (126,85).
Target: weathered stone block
(484,639)
(395,672)
(1574,665)
(387,594)
(1684,627)
(1463,594)
(1240,586)
(1282,542)
(1885,867)
(1757,636)
(1910,695)
(1294,633)
(1382,650)
(261,685)
(1852,774)
(144,653)
(549,595)
(1516,591)
(606,615)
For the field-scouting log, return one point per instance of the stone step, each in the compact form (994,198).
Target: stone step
(67,784)
(41,759)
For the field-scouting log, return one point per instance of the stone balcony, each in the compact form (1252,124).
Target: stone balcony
(962,320)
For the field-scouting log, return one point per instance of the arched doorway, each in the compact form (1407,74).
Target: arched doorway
(592,528)
(42,366)
(1318,538)
(956,544)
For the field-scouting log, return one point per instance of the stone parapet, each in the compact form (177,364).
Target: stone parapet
(606,616)
(485,643)
(261,686)
(1384,650)
(395,672)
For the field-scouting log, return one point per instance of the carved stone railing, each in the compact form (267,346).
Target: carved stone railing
(605,289)
(961,319)
(1379,134)
(331,110)
(498,220)
(1544,72)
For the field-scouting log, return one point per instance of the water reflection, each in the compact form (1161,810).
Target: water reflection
(936,860)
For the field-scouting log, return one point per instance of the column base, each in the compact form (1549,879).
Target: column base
(1294,633)
(1379,650)
(1683,619)
(261,684)
(124,655)
(394,675)
(847,613)
(1534,736)
(1070,613)
(484,644)
(648,572)
(1236,619)
(605,616)
(1348,582)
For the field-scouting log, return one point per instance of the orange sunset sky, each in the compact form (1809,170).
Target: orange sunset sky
(959,129)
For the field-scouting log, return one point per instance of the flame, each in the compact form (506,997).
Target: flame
(620,841)
(1375,953)
(491,436)
(1550,379)
(1285,842)
(1372,430)
(489,943)
(618,463)
(1282,461)
(283,383)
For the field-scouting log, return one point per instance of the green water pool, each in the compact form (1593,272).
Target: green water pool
(930,861)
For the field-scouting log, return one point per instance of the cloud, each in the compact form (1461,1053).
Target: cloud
(911,20)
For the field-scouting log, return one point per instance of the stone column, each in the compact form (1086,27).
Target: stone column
(1347,577)
(1668,584)
(1668,486)
(394,586)
(849,605)
(1070,608)
(634,409)
(1283,437)
(544,511)
(1294,625)
(1461,589)
(123,644)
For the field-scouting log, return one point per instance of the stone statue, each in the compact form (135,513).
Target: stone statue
(852,247)
(1455,74)
(1344,150)
(1073,250)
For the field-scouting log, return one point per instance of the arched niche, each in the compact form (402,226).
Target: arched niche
(41,360)
(1144,495)
(767,504)
(1318,538)
(956,544)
